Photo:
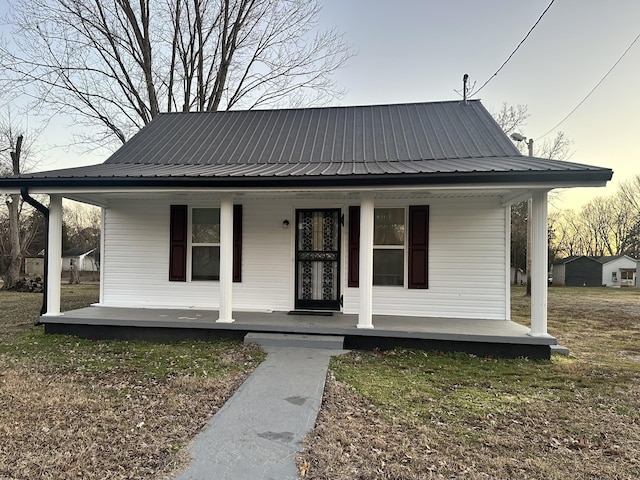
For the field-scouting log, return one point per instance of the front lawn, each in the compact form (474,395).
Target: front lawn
(416,415)
(72,408)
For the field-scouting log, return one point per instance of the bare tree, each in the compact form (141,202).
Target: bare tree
(569,237)
(81,223)
(630,193)
(21,226)
(511,119)
(117,64)
(611,225)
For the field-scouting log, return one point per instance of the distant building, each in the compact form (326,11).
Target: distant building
(594,271)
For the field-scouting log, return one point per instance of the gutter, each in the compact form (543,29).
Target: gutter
(24,193)
(583,177)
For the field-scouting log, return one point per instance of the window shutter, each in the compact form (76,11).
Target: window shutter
(354,247)
(418,246)
(178,243)
(237,243)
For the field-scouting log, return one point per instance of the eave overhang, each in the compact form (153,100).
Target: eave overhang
(552,179)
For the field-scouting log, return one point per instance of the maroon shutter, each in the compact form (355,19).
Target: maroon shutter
(237,243)
(418,246)
(178,243)
(354,246)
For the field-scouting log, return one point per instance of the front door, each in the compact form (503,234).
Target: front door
(318,259)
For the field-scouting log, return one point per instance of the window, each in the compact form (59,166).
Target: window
(395,232)
(389,246)
(205,244)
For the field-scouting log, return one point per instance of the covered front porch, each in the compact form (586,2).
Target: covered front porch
(498,338)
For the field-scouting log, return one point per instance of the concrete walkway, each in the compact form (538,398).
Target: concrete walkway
(256,434)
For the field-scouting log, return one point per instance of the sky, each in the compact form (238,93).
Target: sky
(418,50)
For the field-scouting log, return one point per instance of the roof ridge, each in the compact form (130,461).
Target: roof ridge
(323,107)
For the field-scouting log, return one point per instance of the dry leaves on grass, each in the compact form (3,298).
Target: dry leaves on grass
(114,425)
(353,440)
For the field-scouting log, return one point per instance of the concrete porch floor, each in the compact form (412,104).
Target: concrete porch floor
(484,337)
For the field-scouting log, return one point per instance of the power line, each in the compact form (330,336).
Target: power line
(516,49)
(594,88)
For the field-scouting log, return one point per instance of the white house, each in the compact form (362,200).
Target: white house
(618,271)
(81,258)
(388,215)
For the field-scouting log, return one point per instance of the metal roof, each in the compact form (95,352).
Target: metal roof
(417,142)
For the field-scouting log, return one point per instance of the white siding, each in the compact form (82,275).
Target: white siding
(136,252)
(467,251)
(615,266)
(467,270)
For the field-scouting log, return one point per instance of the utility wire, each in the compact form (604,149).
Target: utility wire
(594,88)
(516,49)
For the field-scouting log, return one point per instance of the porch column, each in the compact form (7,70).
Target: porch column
(507,262)
(54,255)
(226,259)
(539,264)
(366,261)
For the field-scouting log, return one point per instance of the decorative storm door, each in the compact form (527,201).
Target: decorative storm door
(318,259)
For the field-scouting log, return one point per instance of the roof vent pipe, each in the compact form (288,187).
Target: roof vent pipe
(24,193)
(465,79)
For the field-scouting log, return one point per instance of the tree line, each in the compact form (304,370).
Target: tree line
(606,225)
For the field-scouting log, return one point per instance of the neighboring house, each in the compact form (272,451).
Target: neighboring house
(395,218)
(618,271)
(82,259)
(86,260)
(577,271)
(595,271)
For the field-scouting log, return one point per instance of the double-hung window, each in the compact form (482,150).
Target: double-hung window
(400,246)
(205,243)
(194,235)
(389,246)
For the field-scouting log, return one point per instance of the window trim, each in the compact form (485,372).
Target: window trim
(403,247)
(191,244)
(178,241)
(417,241)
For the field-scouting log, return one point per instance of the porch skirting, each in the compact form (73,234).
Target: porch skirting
(496,338)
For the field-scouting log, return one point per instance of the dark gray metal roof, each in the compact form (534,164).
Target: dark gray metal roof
(420,142)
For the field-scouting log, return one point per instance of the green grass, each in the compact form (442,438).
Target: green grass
(67,353)
(433,386)
(27,344)
(104,409)
(413,415)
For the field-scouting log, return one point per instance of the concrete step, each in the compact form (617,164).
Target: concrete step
(559,349)
(331,342)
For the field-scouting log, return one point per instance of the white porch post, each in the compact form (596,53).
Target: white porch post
(507,262)
(54,255)
(365,281)
(539,264)
(226,259)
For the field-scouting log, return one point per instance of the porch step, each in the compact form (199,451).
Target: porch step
(332,342)
(559,349)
